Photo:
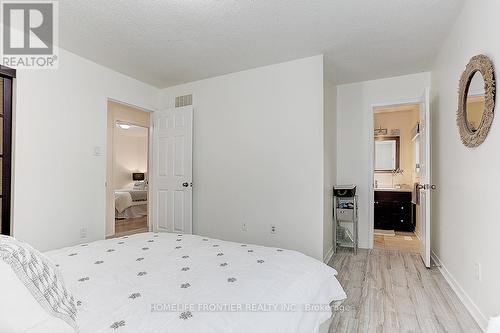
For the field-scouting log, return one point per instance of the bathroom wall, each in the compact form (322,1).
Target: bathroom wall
(404,120)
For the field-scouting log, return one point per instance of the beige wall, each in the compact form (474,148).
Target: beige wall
(404,121)
(475,109)
(125,113)
(131,155)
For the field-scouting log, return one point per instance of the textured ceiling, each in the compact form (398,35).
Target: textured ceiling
(170,42)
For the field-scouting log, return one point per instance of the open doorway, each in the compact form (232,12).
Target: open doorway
(127,172)
(396,177)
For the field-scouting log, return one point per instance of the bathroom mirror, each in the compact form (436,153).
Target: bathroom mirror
(386,157)
(476,101)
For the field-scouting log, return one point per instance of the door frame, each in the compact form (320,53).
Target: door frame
(109,177)
(8,95)
(371,168)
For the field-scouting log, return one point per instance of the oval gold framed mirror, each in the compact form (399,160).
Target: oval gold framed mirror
(476,101)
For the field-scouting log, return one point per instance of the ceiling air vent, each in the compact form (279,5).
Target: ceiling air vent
(185,100)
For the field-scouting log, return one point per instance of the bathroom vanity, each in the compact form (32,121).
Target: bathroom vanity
(394,210)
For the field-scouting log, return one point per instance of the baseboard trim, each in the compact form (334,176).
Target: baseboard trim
(478,316)
(328,256)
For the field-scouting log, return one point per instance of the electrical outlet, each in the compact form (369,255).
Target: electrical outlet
(244,227)
(477,271)
(83,232)
(273,229)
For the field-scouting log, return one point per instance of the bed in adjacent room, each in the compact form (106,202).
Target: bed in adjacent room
(130,204)
(164,282)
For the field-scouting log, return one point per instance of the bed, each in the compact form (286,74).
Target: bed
(131,204)
(164,282)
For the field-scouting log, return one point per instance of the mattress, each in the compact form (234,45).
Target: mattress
(139,195)
(164,282)
(135,195)
(136,210)
(125,199)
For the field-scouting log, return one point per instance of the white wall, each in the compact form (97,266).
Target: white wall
(330,161)
(258,155)
(466,224)
(355,134)
(60,115)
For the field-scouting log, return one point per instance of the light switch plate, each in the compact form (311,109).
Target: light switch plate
(98,151)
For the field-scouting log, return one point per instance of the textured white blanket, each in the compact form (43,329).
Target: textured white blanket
(184,283)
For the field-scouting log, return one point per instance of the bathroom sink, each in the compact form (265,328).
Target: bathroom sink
(393,189)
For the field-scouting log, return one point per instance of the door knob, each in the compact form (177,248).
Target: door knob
(427,187)
(185,184)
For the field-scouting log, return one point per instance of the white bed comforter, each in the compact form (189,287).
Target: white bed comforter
(185,283)
(123,200)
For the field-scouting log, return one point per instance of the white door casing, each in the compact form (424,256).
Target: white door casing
(425,178)
(172,170)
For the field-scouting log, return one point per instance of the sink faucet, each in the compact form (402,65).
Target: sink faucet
(397,172)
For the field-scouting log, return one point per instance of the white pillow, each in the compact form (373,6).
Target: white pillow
(140,185)
(33,295)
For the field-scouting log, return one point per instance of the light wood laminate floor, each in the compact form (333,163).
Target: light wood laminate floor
(392,291)
(125,227)
(403,241)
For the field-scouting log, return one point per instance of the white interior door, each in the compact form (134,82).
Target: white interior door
(425,185)
(172,170)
